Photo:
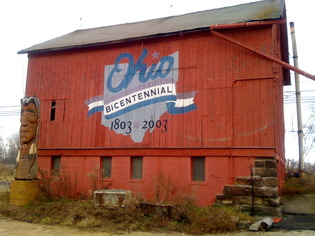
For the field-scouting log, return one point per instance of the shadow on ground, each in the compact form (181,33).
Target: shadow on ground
(296,222)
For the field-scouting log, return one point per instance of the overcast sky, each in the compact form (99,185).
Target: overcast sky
(26,23)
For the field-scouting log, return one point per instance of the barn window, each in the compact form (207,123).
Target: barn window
(198,168)
(107,167)
(55,164)
(53,111)
(136,167)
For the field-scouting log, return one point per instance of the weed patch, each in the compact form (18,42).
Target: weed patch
(299,186)
(6,171)
(82,214)
(55,185)
(165,192)
(185,215)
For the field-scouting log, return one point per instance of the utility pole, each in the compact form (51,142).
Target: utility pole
(298,102)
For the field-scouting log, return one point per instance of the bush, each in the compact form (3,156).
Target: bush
(202,220)
(185,216)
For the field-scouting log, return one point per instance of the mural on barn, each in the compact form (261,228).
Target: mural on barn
(136,95)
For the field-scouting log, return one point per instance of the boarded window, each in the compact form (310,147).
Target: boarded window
(107,167)
(55,164)
(136,167)
(53,111)
(198,168)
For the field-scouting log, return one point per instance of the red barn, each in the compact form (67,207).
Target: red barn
(177,97)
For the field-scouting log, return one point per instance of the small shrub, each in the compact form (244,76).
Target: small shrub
(56,185)
(46,184)
(82,214)
(211,220)
(166,192)
(203,220)
(93,177)
(186,216)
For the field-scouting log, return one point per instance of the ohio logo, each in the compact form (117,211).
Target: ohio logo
(137,95)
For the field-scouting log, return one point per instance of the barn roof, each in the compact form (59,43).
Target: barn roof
(255,11)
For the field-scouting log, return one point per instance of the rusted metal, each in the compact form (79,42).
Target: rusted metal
(263,55)
(161,210)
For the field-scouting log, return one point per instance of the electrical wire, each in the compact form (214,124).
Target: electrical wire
(10,110)
(10,114)
(289,97)
(10,106)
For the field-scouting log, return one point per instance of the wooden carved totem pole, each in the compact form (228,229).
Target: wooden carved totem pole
(25,187)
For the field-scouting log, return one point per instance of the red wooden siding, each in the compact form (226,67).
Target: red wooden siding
(238,117)
(220,169)
(236,93)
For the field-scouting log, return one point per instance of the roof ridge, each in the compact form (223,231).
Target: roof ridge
(253,11)
(173,16)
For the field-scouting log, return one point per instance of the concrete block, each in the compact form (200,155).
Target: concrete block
(271,201)
(247,200)
(298,204)
(111,198)
(270,181)
(269,164)
(257,201)
(247,180)
(224,199)
(266,172)
(237,190)
(266,192)
(259,163)
(241,200)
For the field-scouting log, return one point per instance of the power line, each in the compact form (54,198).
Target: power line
(10,110)
(10,113)
(304,101)
(306,98)
(10,106)
(303,91)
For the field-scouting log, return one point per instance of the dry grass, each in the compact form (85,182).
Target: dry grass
(186,217)
(299,186)
(6,171)
(82,214)
(6,176)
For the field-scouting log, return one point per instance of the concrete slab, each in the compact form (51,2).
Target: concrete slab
(299,204)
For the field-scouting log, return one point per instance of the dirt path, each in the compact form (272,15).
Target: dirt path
(17,228)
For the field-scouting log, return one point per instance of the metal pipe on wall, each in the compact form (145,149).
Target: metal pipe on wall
(298,101)
(263,55)
(297,81)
